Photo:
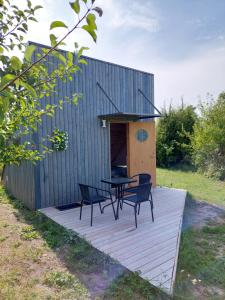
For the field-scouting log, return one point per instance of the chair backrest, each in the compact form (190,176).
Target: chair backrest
(143,192)
(85,194)
(144,178)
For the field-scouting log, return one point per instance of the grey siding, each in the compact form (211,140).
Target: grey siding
(87,159)
(19,181)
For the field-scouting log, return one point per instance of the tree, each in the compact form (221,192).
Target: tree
(26,85)
(208,140)
(174,129)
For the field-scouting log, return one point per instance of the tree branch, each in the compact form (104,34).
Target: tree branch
(14,28)
(47,53)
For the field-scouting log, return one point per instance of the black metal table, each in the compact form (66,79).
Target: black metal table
(118,182)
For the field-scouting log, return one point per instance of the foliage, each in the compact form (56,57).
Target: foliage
(26,85)
(28,233)
(60,279)
(173,135)
(59,140)
(209,139)
(198,186)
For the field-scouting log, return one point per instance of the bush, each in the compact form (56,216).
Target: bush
(209,139)
(174,129)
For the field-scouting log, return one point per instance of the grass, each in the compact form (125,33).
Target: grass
(201,267)
(198,186)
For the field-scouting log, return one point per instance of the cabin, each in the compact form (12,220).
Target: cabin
(111,132)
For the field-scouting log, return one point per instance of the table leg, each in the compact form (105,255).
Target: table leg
(119,196)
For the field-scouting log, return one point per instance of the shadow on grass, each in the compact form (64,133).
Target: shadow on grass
(198,213)
(182,167)
(103,277)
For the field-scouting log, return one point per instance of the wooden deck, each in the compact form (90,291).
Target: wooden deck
(152,248)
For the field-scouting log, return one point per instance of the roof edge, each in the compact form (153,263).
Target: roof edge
(92,58)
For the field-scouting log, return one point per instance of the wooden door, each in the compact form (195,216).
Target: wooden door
(141,149)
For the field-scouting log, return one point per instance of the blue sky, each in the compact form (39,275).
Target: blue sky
(182,42)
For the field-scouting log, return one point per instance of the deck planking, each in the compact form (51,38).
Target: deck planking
(151,249)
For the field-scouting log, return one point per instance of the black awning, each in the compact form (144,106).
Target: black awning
(126,117)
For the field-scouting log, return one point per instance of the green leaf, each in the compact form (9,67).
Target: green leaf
(82,61)
(90,31)
(57,24)
(75,6)
(27,86)
(33,19)
(28,52)
(25,26)
(53,40)
(21,29)
(81,50)
(38,7)
(59,56)
(6,79)
(70,59)
(91,21)
(15,63)
(98,10)
(1,50)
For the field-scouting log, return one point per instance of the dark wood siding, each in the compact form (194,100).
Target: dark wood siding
(19,181)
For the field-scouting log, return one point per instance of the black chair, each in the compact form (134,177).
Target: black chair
(143,191)
(90,195)
(143,178)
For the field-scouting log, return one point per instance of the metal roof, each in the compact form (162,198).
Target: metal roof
(126,117)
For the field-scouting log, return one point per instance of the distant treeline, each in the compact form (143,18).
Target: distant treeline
(183,136)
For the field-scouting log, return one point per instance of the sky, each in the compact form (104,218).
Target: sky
(181,42)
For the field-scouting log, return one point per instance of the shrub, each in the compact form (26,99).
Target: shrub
(174,131)
(208,140)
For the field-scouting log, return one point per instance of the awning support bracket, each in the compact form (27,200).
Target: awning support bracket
(158,111)
(107,96)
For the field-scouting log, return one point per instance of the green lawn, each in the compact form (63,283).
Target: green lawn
(198,186)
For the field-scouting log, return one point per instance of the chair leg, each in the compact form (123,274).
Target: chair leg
(139,206)
(81,206)
(151,199)
(121,205)
(135,214)
(117,209)
(101,210)
(91,213)
(151,205)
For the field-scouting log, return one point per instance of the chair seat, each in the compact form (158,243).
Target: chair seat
(132,198)
(131,189)
(97,199)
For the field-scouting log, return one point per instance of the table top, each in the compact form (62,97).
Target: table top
(118,180)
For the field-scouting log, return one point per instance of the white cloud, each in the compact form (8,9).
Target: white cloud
(131,16)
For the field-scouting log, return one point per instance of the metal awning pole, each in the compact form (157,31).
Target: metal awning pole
(140,91)
(107,96)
